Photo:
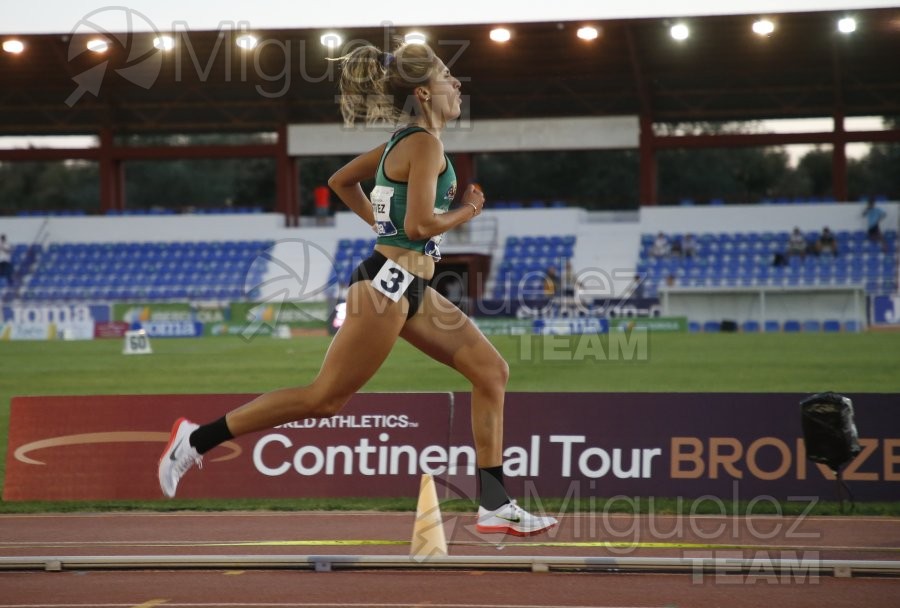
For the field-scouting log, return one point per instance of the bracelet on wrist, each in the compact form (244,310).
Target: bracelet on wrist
(474,209)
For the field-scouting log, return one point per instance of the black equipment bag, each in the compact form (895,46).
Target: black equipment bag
(829,433)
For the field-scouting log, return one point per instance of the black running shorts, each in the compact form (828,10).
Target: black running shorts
(392,280)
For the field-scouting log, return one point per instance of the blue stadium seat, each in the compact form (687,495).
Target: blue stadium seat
(711,326)
(792,326)
(750,326)
(772,326)
(812,325)
(831,326)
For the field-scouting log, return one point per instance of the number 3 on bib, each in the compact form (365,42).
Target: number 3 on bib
(392,280)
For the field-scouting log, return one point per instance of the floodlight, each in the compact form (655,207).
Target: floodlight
(13,46)
(587,33)
(847,25)
(680,31)
(97,45)
(247,42)
(415,38)
(500,34)
(331,40)
(164,43)
(763,27)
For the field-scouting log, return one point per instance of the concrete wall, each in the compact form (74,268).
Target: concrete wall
(120,229)
(760,218)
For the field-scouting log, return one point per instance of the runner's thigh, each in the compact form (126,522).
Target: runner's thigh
(363,342)
(444,333)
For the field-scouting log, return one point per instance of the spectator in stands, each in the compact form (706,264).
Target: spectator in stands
(873,216)
(826,243)
(570,281)
(661,247)
(636,289)
(573,287)
(675,250)
(6,268)
(551,283)
(688,246)
(390,295)
(797,244)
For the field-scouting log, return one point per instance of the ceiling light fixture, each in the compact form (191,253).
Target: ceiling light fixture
(679,31)
(587,33)
(247,42)
(847,25)
(763,27)
(415,38)
(500,34)
(13,46)
(164,43)
(331,40)
(97,45)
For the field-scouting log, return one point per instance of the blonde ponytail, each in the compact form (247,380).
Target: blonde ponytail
(379,86)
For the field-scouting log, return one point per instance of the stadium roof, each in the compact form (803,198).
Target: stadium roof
(722,72)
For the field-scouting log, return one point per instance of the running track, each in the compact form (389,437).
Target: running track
(262,533)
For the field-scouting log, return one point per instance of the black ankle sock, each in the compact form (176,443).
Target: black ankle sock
(493,494)
(210,435)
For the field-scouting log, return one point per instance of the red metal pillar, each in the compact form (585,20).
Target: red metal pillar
(286,182)
(839,160)
(112,175)
(647,190)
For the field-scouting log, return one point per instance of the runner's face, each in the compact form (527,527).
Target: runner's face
(445,95)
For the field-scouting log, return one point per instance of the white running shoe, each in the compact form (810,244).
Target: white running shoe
(512,519)
(178,457)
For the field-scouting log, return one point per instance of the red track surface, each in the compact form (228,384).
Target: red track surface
(292,533)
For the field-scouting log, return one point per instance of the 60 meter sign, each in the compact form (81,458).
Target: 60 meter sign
(137,343)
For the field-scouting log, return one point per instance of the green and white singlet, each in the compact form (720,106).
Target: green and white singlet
(389,203)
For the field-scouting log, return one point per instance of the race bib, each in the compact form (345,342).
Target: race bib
(432,246)
(381,205)
(392,280)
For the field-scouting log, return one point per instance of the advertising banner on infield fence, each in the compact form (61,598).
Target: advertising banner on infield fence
(51,321)
(268,315)
(884,310)
(682,444)
(650,323)
(170,320)
(107,448)
(576,445)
